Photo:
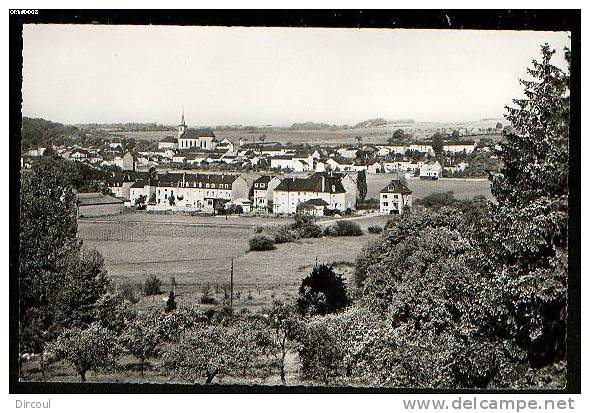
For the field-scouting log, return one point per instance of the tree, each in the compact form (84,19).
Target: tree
(283,321)
(499,126)
(322,292)
(171,302)
(525,245)
(172,200)
(455,134)
(399,137)
(361,186)
(438,143)
(91,348)
(142,336)
(85,283)
(151,285)
(210,351)
(58,283)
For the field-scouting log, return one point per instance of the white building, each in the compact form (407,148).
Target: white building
(459,147)
(292,192)
(199,191)
(263,190)
(168,142)
(289,162)
(394,197)
(430,171)
(423,147)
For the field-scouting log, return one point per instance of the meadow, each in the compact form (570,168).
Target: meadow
(324,137)
(197,252)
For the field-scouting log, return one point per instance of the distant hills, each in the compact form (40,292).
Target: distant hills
(40,132)
(369,123)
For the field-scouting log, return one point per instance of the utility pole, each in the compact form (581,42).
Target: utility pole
(231,286)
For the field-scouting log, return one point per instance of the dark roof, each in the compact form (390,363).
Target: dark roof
(169,139)
(264,179)
(316,202)
(176,179)
(96,198)
(197,133)
(450,143)
(396,186)
(314,183)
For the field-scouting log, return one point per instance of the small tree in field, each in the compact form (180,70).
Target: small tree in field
(87,349)
(283,321)
(322,292)
(171,302)
(142,337)
(208,352)
(152,285)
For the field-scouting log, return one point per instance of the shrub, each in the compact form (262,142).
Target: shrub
(343,229)
(261,243)
(281,234)
(130,292)
(322,292)
(152,285)
(375,229)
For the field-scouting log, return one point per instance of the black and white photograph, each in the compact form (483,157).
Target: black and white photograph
(304,202)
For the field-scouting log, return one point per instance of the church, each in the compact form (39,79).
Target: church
(189,138)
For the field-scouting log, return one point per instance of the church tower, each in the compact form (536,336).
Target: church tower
(182,126)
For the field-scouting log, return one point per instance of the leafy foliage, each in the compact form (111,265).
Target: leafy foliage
(261,243)
(91,348)
(210,351)
(322,292)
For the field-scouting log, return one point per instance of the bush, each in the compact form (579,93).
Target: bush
(343,229)
(375,229)
(130,291)
(322,292)
(152,285)
(281,234)
(261,243)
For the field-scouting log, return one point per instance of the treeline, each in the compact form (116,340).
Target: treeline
(37,132)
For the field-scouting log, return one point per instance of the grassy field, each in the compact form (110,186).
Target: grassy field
(326,137)
(172,246)
(463,188)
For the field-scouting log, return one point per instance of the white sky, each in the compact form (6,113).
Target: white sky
(255,76)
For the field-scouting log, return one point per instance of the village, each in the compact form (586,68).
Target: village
(193,171)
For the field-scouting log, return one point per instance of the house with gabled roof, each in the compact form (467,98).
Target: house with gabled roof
(263,190)
(168,142)
(292,192)
(394,198)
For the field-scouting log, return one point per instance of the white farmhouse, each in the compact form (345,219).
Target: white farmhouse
(430,171)
(394,197)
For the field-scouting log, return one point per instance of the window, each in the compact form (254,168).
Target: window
(213,186)
(384,196)
(385,204)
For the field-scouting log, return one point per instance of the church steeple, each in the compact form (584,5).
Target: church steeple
(182,122)
(182,126)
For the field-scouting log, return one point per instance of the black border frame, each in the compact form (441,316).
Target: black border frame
(546,20)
